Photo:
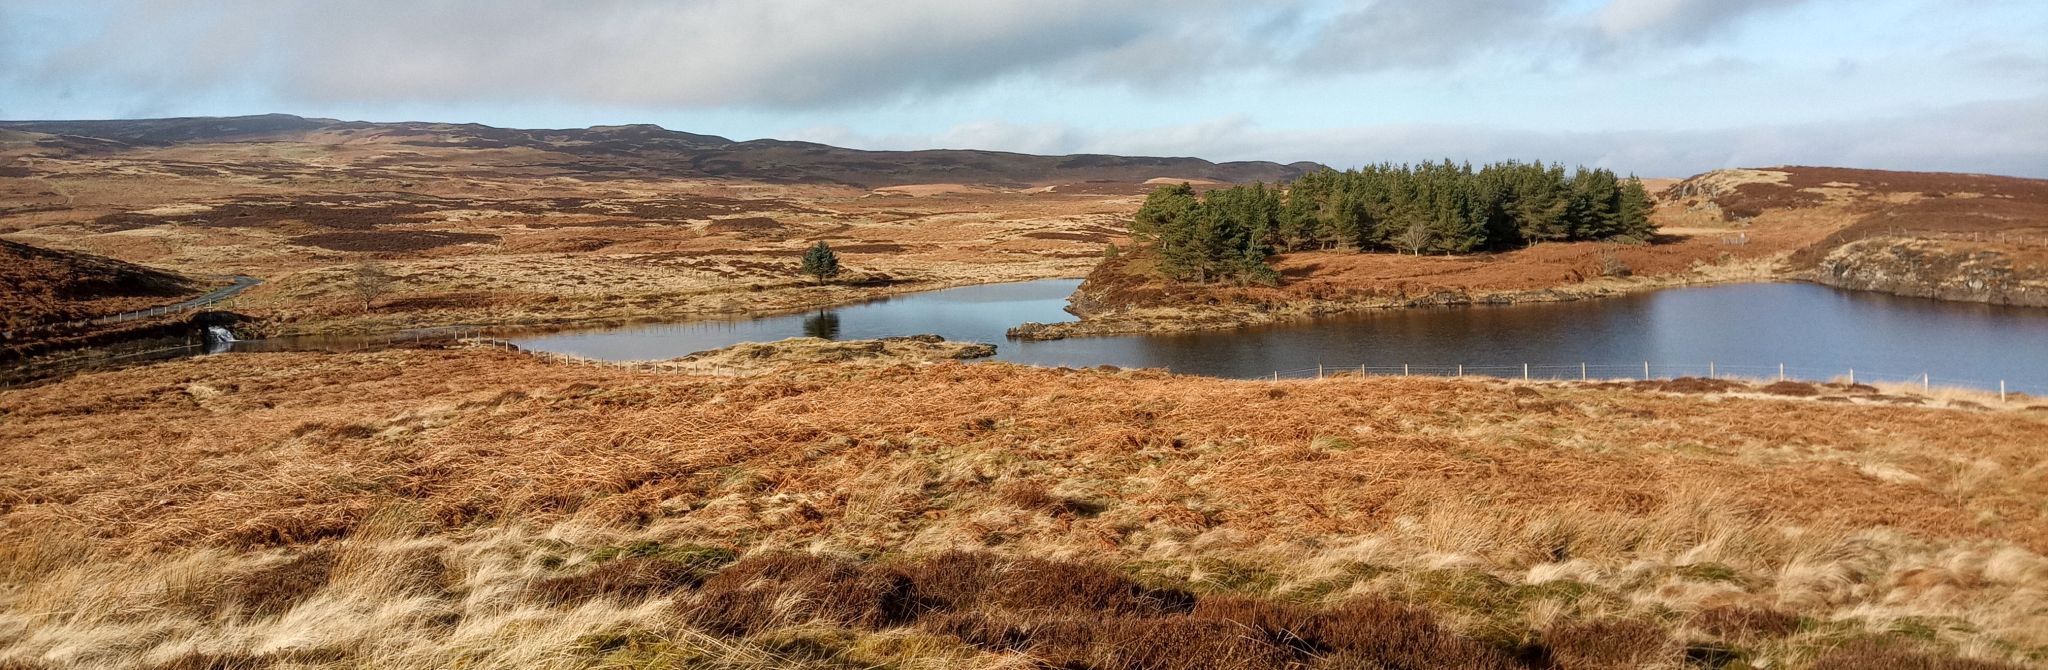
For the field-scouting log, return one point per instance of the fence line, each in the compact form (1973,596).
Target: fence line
(1582,371)
(1648,370)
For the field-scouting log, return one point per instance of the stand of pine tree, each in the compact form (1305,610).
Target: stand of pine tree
(1226,234)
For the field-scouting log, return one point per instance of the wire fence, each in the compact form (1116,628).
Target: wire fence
(225,303)
(1589,372)
(1653,371)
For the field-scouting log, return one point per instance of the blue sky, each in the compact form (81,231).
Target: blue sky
(1655,87)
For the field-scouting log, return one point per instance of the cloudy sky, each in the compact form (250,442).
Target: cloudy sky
(1655,87)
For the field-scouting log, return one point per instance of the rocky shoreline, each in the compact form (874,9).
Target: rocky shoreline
(1937,269)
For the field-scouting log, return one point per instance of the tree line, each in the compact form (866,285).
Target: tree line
(1226,234)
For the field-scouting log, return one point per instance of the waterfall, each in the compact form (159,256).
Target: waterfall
(219,339)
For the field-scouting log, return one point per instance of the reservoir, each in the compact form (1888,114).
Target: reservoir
(1815,332)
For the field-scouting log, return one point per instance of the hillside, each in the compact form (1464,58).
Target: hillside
(47,286)
(416,509)
(651,152)
(1977,238)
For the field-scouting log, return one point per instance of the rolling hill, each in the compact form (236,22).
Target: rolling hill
(649,151)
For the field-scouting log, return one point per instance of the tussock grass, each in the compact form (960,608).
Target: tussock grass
(500,511)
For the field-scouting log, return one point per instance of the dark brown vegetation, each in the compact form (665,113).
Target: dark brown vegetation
(44,286)
(384,241)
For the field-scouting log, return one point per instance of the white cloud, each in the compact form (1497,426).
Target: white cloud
(793,53)
(2000,137)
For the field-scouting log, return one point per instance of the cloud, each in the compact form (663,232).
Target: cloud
(789,53)
(696,53)
(1378,35)
(1995,137)
(1677,20)
(1439,33)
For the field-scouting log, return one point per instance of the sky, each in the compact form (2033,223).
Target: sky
(1650,87)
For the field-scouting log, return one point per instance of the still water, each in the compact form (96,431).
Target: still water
(1748,329)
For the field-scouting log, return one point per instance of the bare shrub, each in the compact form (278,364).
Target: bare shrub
(1604,645)
(369,281)
(624,579)
(1797,389)
(278,588)
(786,589)
(1875,655)
(965,581)
(1611,264)
(1736,622)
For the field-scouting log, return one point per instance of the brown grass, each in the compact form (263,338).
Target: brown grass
(511,512)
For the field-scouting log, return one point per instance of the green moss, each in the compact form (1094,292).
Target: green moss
(1566,590)
(807,642)
(1928,629)
(634,649)
(1159,574)
(1709,572)
(1468,590)
(1230,576)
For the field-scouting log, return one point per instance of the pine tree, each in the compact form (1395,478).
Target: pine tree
(1434,206)
(1635,211)
(820,262)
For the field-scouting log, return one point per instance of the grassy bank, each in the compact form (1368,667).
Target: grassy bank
(483,508)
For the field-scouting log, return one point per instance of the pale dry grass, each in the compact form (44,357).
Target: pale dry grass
(446,484)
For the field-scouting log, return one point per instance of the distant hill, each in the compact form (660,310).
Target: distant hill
(648,151)
(41,286)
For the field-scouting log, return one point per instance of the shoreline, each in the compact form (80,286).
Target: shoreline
(599,320)
(1192,318)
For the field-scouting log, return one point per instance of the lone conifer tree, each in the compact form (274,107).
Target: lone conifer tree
(821,263)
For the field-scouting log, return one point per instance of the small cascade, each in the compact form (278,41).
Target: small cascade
(219,339)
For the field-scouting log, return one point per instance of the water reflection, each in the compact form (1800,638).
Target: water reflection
(824,324)
(1815,331)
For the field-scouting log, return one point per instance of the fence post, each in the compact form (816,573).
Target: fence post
(1461,369)
(1276,375)
(1525,372)
(1582,371)
(1926,383)
(1710,369)
(1852,376)
(1319,371)
(1781,372)
(1646,371)
(2001,390)
(1404,369)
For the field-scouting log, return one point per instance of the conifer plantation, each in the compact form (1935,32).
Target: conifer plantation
(1430,208)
